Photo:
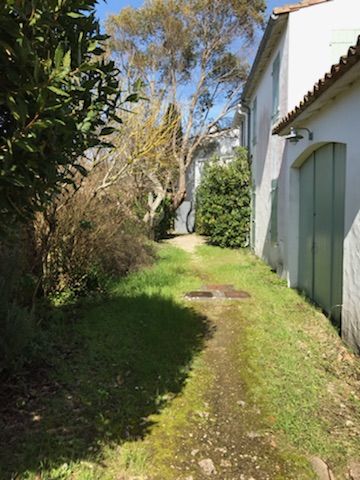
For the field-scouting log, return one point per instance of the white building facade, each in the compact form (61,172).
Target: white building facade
(300,43)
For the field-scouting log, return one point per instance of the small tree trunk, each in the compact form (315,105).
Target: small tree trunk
(154,203)
(180,194)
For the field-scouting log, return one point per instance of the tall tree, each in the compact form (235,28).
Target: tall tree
(143,151)
(184,51)
(57,93)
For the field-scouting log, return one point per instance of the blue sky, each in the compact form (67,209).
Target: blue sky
(114,6)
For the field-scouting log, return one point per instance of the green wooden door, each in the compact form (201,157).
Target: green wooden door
(322,194)
(306,239)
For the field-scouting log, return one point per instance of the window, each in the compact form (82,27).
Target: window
(276,88)
(341,40)
(254,122)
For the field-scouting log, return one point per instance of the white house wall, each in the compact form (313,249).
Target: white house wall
(267,153)
(306,53)
(339,122)
(310,37)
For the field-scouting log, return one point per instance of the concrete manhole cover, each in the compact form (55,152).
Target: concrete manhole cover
(208,292)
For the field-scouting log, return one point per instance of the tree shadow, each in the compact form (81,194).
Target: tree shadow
(117,365)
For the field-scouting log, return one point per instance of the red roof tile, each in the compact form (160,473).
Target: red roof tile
(337,71)
(297,6)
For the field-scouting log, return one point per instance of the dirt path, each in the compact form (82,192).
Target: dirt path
(187,242)
(231,443)
(226,439)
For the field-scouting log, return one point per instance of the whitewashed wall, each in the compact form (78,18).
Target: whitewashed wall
(267,153)
(338,122)
(310,42)
(306,55)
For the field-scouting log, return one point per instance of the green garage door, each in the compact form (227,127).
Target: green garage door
(322,194)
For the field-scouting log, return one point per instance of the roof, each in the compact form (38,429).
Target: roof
(273,31)
(336,72)
(296,6)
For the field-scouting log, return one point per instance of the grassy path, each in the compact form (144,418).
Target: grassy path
(149,386)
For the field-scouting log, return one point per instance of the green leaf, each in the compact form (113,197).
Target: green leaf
(98,51)
(107,131)
(25,145)
(81,169)
(58,91)
(116,118)
(67,60)
(75,15)
(133,97)
(59,54)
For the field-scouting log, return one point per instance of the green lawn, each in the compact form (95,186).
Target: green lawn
(130,371)
(120,362)
(295,364)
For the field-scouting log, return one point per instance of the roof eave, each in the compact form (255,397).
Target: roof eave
(275,24)
(295,7)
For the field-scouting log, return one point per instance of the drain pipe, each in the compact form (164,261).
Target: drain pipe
(244,106)
(251,241)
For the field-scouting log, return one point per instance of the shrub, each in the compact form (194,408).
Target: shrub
(93,239)
(57,93)
(223,202)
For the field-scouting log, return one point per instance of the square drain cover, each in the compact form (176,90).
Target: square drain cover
(199,295)
(227,292)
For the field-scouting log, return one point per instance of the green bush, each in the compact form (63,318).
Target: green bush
(57,95)
(223,202)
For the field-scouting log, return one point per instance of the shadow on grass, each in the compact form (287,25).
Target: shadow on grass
(119,364)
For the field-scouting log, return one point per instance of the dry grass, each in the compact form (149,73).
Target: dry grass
(85,238)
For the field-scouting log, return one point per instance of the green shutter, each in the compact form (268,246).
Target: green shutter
(276,88)
(274,211)
(253,218)
(341,41)
(254,122)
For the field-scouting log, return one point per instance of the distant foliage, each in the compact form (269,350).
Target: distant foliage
(165,221)
(57,94)
(223,203)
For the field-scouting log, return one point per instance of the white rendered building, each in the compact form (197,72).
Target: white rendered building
(306,197)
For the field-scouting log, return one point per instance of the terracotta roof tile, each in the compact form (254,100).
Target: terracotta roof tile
(337,71)
(297,6)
